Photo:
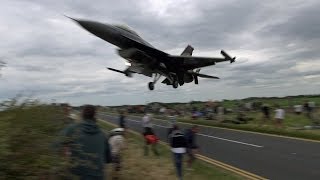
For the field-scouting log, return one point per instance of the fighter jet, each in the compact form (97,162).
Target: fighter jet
(143,58)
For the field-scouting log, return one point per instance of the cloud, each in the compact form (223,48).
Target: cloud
(50,57)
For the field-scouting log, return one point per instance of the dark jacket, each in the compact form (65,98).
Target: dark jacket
(89,149)
(191,139)
(122,122)
(177,139)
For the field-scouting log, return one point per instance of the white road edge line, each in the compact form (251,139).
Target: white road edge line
(224,139)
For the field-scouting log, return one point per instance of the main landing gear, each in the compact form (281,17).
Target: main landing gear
(175,83)
(151,84)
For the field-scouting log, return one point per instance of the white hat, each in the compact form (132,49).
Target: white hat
(117,130)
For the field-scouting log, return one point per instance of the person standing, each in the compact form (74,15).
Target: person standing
(117,143)
(86,146)
(146,122)
(122,121)
(192,146)
(178,147)
(150,140)
(279,116)
(266,113)
(172,120)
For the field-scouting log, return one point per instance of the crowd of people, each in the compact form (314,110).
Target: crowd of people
(88,148)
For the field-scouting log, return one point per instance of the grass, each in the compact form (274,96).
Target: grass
(137,166)
(27,135)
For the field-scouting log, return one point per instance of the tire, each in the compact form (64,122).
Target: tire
(151,86)
(175,84)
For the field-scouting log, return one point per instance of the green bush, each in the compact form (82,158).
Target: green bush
(27,141)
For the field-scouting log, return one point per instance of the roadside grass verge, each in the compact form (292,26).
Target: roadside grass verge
(27,136)
(137,166)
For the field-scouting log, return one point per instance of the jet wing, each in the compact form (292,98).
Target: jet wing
(191,62)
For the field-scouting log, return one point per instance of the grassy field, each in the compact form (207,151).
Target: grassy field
(282,101)
(137,166)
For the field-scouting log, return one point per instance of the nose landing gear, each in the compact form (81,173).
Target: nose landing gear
(151,84)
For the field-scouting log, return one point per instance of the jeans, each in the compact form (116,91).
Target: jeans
(177,157)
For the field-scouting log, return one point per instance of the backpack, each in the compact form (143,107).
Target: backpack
(151,139)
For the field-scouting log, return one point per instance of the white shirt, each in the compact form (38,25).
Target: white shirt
(279,114)
(117,143)
(146,122)
(298,108)
(171,121)
(178,150)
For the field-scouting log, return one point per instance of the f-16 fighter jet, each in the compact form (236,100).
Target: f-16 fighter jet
(143,58)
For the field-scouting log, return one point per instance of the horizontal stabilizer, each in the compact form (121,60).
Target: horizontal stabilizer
(227,57)
(126,72)
(116,70)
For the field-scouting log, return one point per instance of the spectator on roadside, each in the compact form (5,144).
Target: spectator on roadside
(307,109)
(192,147)
(266,112)
(86,146)
(311,105)
(69,118)
(178,147)
(117,143)
(279,116)
(298,109)
(172,120)
(220,113)
(146,122)
(122,121)
(150,140)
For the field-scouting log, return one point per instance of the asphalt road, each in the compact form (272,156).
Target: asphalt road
(267,156)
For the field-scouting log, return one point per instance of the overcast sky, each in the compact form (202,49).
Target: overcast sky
(49,57)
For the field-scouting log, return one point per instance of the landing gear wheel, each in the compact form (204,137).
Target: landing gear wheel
(175,84)
(151,86)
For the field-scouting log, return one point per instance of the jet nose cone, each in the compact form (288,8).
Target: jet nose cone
(92,26)
(85,24)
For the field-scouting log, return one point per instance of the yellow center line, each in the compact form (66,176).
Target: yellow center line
(211,161)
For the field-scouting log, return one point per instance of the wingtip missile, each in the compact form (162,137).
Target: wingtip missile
(227,57)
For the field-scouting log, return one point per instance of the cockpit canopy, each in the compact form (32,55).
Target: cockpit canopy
(126,28)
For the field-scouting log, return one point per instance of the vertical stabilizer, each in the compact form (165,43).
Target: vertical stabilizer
(187,51)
